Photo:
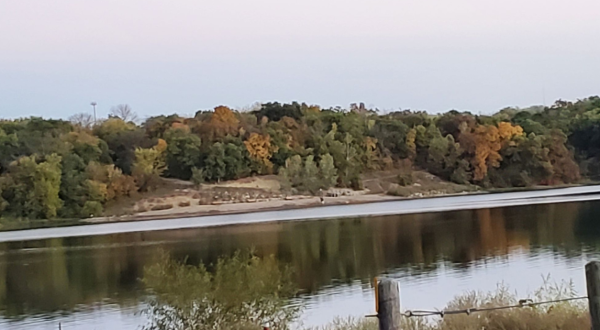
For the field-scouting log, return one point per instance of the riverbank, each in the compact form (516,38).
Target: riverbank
(292,203)
(378,208)
(184,204)
(181,199)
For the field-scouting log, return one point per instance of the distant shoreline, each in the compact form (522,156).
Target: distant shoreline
(302,202)
(390,206)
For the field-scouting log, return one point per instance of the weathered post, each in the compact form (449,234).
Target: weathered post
(388,302)
(592,275)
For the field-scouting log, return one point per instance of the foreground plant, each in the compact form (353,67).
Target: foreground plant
(242,292)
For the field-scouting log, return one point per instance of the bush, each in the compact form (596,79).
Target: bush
(92,209)
(184,204)
(356,182)
(405,179)
(161,207)
(198,176)
(240,292)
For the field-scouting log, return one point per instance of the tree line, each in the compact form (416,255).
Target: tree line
(68,169)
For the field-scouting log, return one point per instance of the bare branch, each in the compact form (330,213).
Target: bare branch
(124,112)
(84,120)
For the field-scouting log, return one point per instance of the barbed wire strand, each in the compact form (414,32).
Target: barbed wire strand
(468,311)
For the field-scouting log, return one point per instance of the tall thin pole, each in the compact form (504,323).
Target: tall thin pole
(94,106)
(544,95)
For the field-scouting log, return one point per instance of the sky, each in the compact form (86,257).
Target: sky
(179,56)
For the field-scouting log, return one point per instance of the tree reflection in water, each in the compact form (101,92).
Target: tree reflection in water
(65,275)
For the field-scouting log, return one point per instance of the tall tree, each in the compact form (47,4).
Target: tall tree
(327,172)
(223,122)
(484,144)
(32,188)
(260,149)
(183,152)
(149,165)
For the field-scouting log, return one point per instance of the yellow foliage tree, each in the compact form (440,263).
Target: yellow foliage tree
(149,165)
(260,148)
(117,184)
(223,122)
(371,154)
(485,143)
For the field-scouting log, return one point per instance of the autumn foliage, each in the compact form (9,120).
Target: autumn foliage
(223,122)
(55,168)
(260,148)
(484,144)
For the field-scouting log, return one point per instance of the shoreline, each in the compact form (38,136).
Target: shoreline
(244,208)
(303,202)
(392,206)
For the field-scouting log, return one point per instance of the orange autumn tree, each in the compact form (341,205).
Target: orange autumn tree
(484,144)
(223,122)
(260,149)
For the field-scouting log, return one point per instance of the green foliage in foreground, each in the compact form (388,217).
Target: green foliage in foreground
(241,292)
(246,292)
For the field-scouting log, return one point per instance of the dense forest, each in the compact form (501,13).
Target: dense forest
(69,169)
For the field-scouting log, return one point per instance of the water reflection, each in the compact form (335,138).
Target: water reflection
(68,275)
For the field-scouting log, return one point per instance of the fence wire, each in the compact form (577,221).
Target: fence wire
(469,311)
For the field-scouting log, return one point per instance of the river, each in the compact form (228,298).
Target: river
(92,282)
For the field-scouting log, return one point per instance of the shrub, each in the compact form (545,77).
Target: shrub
(184,204)
(198,176)
(161,207)
(92,209)
(241,292)
(571,315)
(405,179)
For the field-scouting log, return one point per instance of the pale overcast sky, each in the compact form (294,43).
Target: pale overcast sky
(182,55)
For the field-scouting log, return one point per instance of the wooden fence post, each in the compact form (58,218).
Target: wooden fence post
(592,276)
(388,295)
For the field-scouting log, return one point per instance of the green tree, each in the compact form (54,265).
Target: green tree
(327,172)
(183,153)
(214,164)
(8,149)
(72,185)
(32,189)
(149,165)
(122,139)
(310,175)
(291,174)
(275,111)
(237,161)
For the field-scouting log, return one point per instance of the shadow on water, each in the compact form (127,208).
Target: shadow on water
(69,275)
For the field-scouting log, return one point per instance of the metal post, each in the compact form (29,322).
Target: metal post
(388,305)
(94,106)
(592,275)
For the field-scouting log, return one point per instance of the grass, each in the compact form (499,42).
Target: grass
(571,315)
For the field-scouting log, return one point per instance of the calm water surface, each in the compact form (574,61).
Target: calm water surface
(93,282)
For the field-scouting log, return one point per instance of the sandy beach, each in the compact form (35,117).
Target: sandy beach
(297,202)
